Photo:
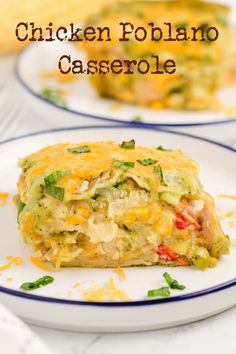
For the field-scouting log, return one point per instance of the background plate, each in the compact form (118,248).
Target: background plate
(83,101)
(61,305)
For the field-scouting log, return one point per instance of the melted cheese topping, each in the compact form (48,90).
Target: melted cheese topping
(92,164)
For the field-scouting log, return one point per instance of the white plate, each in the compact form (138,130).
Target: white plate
(83,102)
(60,305)
(16,337)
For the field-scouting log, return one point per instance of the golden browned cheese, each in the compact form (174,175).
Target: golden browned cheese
(106,204)
(201,65)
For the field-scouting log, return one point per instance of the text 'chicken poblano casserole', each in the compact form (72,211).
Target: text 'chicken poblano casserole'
(106,204)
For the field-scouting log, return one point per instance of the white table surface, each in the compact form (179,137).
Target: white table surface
(216,334)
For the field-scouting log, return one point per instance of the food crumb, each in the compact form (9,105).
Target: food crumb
(75,285)
(9,279)
(115,106)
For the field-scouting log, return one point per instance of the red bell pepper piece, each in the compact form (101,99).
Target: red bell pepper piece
(166,253)
(185,218)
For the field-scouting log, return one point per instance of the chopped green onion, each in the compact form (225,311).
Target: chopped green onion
(123,164)
(147,162)
(173,284)
(79,150)
(96,195)
(118,184)
(53,177)
(158,170)
(161,148)
(54,191)
(47,279)
(137,119)
(128,144)
(20,209)
(53,95)
(162,292)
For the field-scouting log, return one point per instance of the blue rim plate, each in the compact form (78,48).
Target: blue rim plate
(123,130)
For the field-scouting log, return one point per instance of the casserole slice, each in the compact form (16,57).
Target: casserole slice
(106,204)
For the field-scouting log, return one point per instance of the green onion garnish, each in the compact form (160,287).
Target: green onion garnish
(53,95)
(162,292)
(158,170)
(20,209)
(128,144)
(173,284)
(161,148)
(123,164)
(54,191)
(47,279)
(137,119)
(53,177)
(79,150)
(147,162)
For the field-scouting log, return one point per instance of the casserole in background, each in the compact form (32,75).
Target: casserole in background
(201,66)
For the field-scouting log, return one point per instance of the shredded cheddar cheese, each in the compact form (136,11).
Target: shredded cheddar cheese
(6,266)
(158,105)
(76,220)
(227,196)
(229,214)
(56,75)
(107,293)
(12,261)
(38,263)
(75,285)
(115,106)
(3,198)
(120,271)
